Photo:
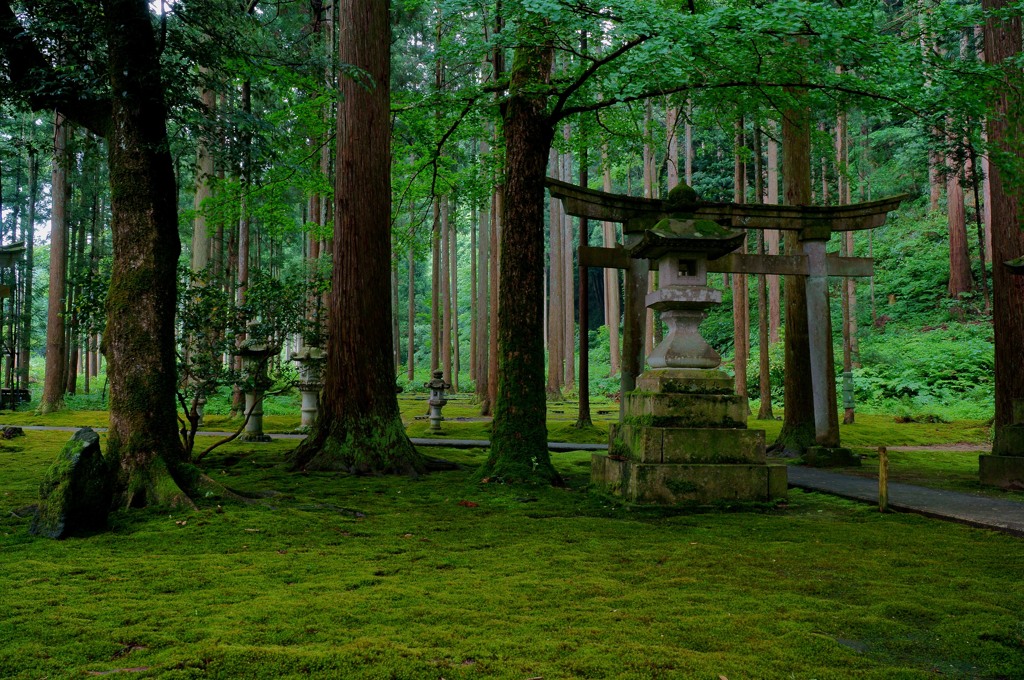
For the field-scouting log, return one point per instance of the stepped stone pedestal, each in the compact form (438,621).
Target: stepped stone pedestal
(1004,467)
(685,440)
(684,436)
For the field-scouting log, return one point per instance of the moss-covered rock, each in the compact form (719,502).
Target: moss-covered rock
(76,493)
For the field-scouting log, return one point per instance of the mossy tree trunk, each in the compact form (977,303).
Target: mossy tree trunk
(519,436)
(139,340)
(798,419)
(1006,133)
(360,428)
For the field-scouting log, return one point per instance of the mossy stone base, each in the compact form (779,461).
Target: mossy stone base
(712,445)
(684,381)
(76,494)
(677,484)
(686,410)
(1005,472)
(825,456)
(1009,441)
(255,438)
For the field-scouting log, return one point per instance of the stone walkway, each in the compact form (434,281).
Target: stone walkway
(977,511)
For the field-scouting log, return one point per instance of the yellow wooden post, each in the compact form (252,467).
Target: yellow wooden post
(883,479)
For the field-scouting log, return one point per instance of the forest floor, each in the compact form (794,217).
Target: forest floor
(942,455)
(376,577)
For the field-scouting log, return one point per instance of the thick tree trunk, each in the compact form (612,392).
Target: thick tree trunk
(1006,133)
(798,423)
(139,339)
(56,348)
(360,428)
(519,435)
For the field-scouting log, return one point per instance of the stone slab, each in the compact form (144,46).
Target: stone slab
(684,381)
(824,456)
(711,445)
(686,410)
(675,484)
(1006,472)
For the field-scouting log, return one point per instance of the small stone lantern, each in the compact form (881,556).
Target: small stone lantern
(255,354)
(311,367)
(437,400)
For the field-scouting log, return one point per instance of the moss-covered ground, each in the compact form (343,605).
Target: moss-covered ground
(375,577)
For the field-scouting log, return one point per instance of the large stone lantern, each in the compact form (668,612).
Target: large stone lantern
(684,436)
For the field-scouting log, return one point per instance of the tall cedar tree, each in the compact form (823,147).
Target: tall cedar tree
(144,451)
(359,428)
(798,416)
(519,435)
(1006,132)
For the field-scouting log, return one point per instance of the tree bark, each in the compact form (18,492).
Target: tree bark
(445,293)
(483,312)
(519,434)
(556,307)
(798,422)
(611,278)
(960,280)
(771,237)
(568,299)
(359,428)
(56,348)
(453,270)
(740,299)
(139,339)
(205,170)
(411,319)
(28,231)
(1006,132)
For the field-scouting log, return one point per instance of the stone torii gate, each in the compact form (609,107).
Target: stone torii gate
(815,225)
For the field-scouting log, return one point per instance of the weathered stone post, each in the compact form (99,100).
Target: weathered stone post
(311,366)
(437,400)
